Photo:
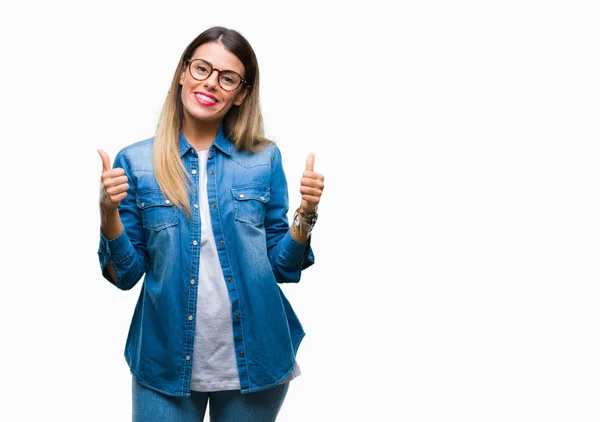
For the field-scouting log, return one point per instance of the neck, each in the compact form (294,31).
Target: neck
(200,135)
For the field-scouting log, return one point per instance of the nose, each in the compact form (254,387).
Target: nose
(213,80)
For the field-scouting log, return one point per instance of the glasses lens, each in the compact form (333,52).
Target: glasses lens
(229,80)
(200,69)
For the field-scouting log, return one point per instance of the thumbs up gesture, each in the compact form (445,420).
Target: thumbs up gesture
(311,186)
(114,184)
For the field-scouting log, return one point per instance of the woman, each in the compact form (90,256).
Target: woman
(200,210)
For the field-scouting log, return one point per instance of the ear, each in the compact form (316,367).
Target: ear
(241,95)
(182,77)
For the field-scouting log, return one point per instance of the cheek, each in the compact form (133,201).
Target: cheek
(186,85)
(228,100)
(241,97)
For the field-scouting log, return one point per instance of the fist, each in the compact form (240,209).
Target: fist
(311,186)
(114,186)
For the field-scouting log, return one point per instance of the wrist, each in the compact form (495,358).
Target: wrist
(108,211)
(304,221)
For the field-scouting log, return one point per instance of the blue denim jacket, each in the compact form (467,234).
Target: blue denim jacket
(248,198)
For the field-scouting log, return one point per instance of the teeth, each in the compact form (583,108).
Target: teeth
(205,98)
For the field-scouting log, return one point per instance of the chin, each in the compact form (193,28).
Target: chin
(205,117)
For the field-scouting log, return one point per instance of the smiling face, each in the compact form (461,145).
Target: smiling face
(206,101)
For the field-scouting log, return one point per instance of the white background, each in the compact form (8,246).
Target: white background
(456,274)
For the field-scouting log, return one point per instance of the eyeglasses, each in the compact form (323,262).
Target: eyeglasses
(228,79)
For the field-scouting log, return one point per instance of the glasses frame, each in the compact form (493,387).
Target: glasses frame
(242,80)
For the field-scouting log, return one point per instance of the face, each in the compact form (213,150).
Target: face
(206,101)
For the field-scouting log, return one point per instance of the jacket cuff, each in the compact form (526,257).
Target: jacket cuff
(294,253)
(115,250)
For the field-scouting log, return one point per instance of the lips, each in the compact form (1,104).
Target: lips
(205,99)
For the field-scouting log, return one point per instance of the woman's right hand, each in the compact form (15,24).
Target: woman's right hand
(114,184)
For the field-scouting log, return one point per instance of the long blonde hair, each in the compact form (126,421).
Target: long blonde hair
(243,125)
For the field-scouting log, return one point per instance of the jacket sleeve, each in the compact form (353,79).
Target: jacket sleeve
(287,256)
(127,252)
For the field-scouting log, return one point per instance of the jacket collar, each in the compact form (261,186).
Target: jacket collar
(221,142)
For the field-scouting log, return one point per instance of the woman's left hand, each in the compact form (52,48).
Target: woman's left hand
(311,186)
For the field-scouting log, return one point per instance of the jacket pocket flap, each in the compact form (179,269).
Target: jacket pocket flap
(152,199)
(252,191)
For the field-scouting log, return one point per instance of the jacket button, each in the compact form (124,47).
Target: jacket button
(212,172)
(214,205)
(242,353)
(190,318)
(188,357)
(221,242)
(229,279)
(237,316)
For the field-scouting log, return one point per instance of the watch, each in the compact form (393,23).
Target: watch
(301,224)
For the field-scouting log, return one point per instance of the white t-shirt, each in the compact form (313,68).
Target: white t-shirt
(214,367)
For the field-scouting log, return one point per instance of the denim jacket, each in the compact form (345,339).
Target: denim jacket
(248,198)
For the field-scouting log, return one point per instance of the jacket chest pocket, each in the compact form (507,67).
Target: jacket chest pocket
(158,212)
(249,203)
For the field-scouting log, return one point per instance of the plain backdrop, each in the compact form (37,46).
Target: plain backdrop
(456,274)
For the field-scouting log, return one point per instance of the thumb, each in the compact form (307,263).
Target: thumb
(105,160)
(310,162)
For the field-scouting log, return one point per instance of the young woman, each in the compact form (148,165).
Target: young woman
(200,212)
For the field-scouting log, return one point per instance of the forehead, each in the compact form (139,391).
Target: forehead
(219,57)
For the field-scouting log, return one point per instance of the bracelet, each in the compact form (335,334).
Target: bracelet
(313,215)
(301,225)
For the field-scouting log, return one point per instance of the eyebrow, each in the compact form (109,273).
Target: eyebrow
(211,65)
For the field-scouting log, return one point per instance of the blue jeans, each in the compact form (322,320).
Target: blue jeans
(225,406)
